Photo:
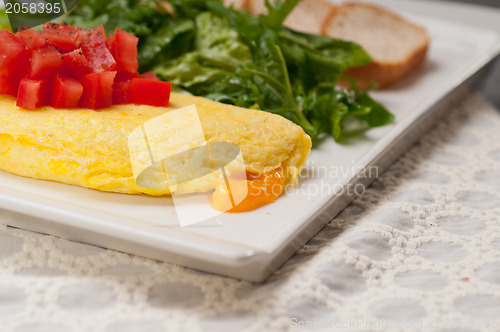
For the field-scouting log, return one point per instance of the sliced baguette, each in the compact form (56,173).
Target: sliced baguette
(397,47)
(309,16)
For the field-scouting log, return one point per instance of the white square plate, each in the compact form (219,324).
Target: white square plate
(252,245)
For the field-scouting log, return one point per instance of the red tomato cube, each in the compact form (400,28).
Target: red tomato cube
(9,82)
(97,90)
(32,39)
(100,58)
(76,64)
(12,52)
(66,92)
(45,63)
(8,86)
(93,43)
(150,76)
(121,92)
(92,37)
(147,92)
(64,37)
(111,43)
(125,52)
(33,93)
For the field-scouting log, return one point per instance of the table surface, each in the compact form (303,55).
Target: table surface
(420,250)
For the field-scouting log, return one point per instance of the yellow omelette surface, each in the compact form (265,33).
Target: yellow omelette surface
(90,148)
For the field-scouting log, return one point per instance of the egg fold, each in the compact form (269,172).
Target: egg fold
(91,148)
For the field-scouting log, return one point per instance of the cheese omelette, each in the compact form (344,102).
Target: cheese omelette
(90,148)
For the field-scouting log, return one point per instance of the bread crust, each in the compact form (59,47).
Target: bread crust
(385,74)
(382,73)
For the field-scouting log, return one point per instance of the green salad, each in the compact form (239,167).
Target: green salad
(255,62)
(4,20)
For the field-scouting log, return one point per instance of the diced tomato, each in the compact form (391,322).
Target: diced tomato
(111,43)
(13,62)
(45,63)
(121,92)
(33,93)
(93,44)
(66,92)
(8,85)
(32,39)
(64,37)
(92,37)
(100,58)
(76,64)
(9,82)
(143,92)
(146,92)
(125,52)
(12,52)
(68,67)
(97,90)
(150,76)
(123,76)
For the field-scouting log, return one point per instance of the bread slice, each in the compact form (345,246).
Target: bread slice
(309,16)
(397,47)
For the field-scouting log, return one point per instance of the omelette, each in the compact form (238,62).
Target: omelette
(90,148)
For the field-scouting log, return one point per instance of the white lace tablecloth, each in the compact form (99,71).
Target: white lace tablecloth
(420,250)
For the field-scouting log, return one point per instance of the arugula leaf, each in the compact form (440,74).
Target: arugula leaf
(156,48)
(217,53)
(4,20)
(278,12)
(317,58)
